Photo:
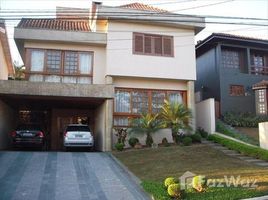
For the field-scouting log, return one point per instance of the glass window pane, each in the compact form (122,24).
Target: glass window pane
(37,60)
(122,101)
(230,59)
(85,63)
(53,61)
(175,97)
(140,102)
(157,101)
(120,121)
(71,62)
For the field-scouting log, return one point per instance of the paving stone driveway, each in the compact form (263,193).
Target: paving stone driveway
(64,176)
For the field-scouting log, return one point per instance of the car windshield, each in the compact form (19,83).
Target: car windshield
(29,127)
(77,128)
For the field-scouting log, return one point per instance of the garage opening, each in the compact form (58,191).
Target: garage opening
(54,114)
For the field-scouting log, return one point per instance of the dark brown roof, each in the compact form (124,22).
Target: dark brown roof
(261,85)
(140,6)
(55,24)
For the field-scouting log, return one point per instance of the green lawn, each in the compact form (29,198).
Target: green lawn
(154,165)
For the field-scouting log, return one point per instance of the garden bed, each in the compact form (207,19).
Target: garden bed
(152,166)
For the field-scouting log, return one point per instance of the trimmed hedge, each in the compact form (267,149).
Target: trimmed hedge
(252,151)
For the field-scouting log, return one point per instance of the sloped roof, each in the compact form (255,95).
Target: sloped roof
(140,6)
(260,85)
(55,24)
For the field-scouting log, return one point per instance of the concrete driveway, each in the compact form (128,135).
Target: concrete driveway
(64,176)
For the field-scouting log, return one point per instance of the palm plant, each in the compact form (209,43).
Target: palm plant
(175,116)
(148,124)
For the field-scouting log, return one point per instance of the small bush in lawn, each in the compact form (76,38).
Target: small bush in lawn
(202,132)
(165,142)
(174,190)
(199,183)
(196,138)
(170,180)
(187,141)
(133,141)
(119,146)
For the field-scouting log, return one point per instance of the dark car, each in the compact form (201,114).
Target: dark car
(28,135)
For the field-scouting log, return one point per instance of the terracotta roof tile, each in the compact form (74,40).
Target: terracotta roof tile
(55,24)
(238,36)
(261,85)
(140,6)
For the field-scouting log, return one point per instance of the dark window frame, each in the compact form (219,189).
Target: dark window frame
(62,63)
(237,90)
(132,115)
(153,49)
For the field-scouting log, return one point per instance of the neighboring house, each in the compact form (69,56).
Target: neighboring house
(104,69)
(227,68)
(6,66)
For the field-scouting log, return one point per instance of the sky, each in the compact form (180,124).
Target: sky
(226,8)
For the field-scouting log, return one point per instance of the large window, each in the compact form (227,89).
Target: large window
(61,62)
(130,103)
(230,58)
(148,44)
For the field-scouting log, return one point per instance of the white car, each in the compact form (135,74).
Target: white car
(78,135)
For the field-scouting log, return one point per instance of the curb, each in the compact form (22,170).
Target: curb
(258,198)
(130,175)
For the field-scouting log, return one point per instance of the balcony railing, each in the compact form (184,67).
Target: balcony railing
(259,70)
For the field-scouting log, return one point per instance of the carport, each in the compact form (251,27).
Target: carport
(55,105)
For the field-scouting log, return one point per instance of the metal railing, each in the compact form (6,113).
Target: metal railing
(259,70)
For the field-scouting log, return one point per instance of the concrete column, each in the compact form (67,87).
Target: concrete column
(191,102)
(108,124)
(7,124)
(263,135)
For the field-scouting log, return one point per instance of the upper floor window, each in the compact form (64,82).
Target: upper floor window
(230,59)
(60,66)
(157,45)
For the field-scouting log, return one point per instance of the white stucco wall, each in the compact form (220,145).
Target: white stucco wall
(122,62)
(99,62)
(263,135)
(205,115)
(3,64)
(146,83)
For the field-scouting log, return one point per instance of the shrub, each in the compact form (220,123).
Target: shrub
(199,183)
(174,190)
(196,138)
(243,119)
(149,141)
(187,141)
(165,142)
(202,132)
(133,141)
(119,146)
(170,180)
(230,131)
(245,149)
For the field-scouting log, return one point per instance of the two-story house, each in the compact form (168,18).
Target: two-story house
(104,68)
(228,66)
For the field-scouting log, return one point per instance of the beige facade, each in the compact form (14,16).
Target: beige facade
(3,64)
(115,65)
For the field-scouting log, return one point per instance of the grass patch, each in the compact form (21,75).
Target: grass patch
(159,192)
(152,166)
(252,151)
(232,132)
